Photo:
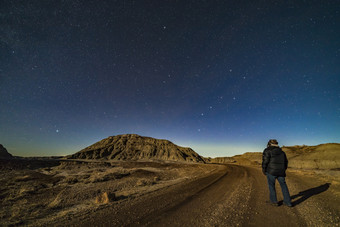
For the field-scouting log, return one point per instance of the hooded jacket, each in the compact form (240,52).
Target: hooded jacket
(274,161)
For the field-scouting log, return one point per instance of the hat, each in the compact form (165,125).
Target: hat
(272,142)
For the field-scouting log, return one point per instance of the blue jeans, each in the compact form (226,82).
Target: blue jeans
(272,193)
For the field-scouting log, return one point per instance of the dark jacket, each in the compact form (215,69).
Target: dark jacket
(274,161)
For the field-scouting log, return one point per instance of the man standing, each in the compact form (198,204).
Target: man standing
(274,165)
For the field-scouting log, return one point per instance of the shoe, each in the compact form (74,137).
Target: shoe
(273,204)
(288,204)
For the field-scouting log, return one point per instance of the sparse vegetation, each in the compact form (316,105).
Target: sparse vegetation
(41,195)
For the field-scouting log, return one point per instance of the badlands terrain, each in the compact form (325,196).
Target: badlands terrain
(130,180)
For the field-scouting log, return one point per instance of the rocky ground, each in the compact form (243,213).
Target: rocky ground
(41,192)
(92,193)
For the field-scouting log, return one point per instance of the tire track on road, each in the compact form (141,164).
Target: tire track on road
(205,207)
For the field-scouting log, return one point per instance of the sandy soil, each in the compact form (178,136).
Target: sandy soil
(162,194)
(43,192)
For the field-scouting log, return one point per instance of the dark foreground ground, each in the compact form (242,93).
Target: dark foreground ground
(82,193)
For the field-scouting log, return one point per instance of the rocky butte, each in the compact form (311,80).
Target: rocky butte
(135,147)
(4,153)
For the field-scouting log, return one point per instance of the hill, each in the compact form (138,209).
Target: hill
(244,159)
(4,153)
(323,156)
(135,147)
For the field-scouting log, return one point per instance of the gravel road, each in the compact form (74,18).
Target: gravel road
(233,195)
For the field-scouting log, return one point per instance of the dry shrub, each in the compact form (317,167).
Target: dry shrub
(105,197)
(23,178)
(144,182)
(108,177)
(71,180)
(155,179)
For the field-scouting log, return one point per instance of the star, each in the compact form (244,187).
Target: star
(151,80)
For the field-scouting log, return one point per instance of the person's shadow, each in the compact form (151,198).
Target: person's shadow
(303,195)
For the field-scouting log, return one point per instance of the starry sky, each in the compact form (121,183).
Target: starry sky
(221,77)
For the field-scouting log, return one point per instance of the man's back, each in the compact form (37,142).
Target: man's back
(274,161)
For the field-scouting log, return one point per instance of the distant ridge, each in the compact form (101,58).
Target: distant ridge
(322,156)
(136,147)
(4,153)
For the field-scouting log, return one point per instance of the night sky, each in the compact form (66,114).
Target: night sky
(221,77)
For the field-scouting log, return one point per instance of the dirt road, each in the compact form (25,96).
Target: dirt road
(232,196)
